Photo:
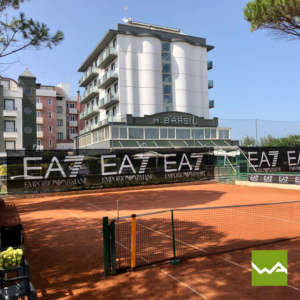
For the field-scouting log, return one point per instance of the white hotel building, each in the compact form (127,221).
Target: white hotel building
(147,86)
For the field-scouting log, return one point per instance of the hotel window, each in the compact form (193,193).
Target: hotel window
(50,128)
(213,133)
(59,122)
(38,127)
(39,142)
(136,133)
(114,110)
(116,88)
(9,145)
(72,118)
(60,135)
(115,43)
(38,100)
(116,132)
(96,120)
(95,82)
(50,114)
(67,118)
(151,133)
(199,133)
(9,104)
(9,126)
(67,105)
(51,143)
(59,109)
(112,67)
(223,134)
(207,133)
(123,132)
(38,114)
(68,131)
(50,101)
(72,105)
(73,130)
(167,133)
(183,133)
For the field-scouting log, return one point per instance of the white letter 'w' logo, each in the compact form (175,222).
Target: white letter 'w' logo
(278,265)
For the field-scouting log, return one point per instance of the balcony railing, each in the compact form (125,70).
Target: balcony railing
(39,120)
(39,134)
(110,120)
(210,84)
(89,94)
(209,65)
(39,106)
(88,113)
(108,55)
(73,123)
(106,80)
(10,111)
(88,76)
(10,133)
(73,135)
(73,111)
(108,100)
(211,103)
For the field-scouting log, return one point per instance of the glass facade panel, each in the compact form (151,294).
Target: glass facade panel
(183,133)
(163,133)
(136,133)
(123,132)
(171,133)
(226,134)
(207,133)
(213,133)
(116,132)
(151,133)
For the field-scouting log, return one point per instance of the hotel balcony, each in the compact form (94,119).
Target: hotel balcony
(39,147)
(210,84)
(88,76)
(209,65)
(89,94)
(10,112)
(109,78)
(39,106)
(39,120)
(94,126)
(109,120)
(108,55)
(10,133)
(73,135)
(86,129)
(90,112)
(73,124)
(211,103)
(108,101)
(39,134)
(73,111)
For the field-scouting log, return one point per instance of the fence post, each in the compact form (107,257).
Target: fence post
(174,261)
(113,247)
(106,246)
(133,241)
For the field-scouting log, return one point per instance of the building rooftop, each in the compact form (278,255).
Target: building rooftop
(27,73)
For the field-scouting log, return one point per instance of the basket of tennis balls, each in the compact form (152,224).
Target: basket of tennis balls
(10,258)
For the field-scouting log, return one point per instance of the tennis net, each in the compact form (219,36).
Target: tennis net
(183,233)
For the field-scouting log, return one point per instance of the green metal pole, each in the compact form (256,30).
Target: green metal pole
(106,246)
(174,261)
(113,248)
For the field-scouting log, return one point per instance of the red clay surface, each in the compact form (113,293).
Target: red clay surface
(64,247)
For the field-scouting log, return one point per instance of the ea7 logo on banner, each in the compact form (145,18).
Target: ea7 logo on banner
(75,169)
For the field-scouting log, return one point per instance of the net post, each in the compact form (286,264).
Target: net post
(174,261)
(113,248)
(106,246)
(133,242)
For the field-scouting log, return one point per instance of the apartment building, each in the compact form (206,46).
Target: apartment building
(36,116)
(148,85)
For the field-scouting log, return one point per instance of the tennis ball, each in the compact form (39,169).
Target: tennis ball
(19,258)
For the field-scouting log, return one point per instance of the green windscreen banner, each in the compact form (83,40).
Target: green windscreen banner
(55,170)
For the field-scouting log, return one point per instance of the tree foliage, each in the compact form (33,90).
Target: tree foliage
(265,141)
(21,33)
(248,141)
(280,17)
(288,141)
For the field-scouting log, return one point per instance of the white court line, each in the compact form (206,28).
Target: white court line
(163,271)
(229,261)
(82,220)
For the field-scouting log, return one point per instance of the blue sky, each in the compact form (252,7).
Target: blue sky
(254,76)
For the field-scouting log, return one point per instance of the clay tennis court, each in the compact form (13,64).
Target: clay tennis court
(64,246)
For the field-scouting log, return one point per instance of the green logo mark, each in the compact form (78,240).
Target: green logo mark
(269,268)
